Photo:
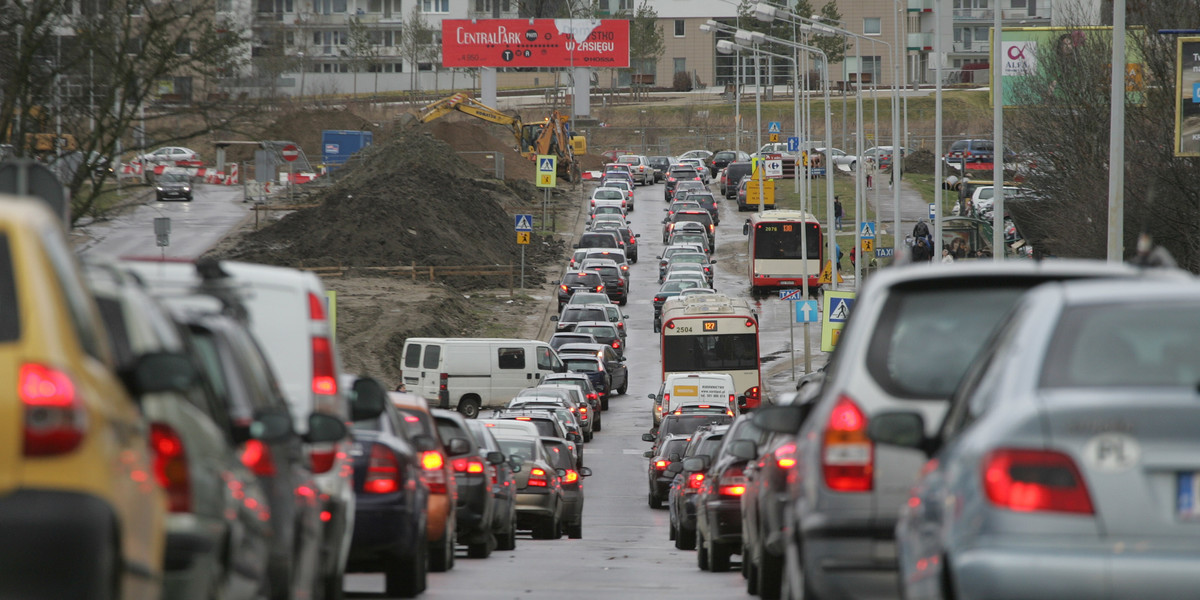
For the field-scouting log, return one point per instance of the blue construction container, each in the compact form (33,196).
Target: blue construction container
(337,145)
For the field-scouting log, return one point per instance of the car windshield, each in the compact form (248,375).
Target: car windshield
(678,285)
(517,449)
(1127,345)
(688,424)
(582,365)
(173,178)
(948,323)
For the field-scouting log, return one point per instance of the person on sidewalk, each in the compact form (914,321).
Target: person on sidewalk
(837,212)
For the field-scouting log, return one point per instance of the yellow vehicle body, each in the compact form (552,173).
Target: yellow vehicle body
(82,515)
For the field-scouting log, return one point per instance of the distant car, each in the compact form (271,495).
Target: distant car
(659,474)
(604,332)
(697,457)
(610,193)
(642,171)
(574,281)
(504,493)
(701,168)
(623,184)
(708,202)
(631,245)
(964,153)
(573,314)
(703,155)
(698,258)
(615,283)
(170,155)
(677,173)
(614,364)
(173,186)
(558,454)
(733,176)
(593,366)
(722,158)
(540,506)
(660,164)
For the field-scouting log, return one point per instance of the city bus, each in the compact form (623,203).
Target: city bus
(713,333)
(776,254)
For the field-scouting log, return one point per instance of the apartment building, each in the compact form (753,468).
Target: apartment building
(972,22)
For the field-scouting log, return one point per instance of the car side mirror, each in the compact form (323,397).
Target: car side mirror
(742,403)
(561,472)
(585,472)
(367,399)
(746,228)
(157,372)
(458,446)
(272,427)
(696,463)
(674,468)
(575,437)
(324,428)
(743,450)
(637,235)
(496,458)
(673,457)
(652,397)
(901,428)
(647,454)
(779,419)
(649,437)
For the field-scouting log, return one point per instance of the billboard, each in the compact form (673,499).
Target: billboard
(1019,47)
(602,43)
(1187,97)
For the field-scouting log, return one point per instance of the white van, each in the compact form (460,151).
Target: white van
(678,390)
(472,373)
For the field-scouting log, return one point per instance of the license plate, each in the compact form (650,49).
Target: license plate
(787,283)
(1186,505)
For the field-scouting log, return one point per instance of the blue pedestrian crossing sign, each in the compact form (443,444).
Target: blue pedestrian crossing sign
(806,311)
(774,127)
(547,170)
(523,222)
(547,164)
(793,144)
(836,307)
(868,230)
(839,309)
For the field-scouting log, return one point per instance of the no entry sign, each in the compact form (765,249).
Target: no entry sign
(290,152)
(540,43)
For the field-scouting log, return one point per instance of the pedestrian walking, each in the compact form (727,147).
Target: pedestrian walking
(837,212)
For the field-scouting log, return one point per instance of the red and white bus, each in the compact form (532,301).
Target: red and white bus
(777,257)
(713,333)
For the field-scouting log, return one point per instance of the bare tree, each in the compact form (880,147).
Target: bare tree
(1062,124)
(416,43)
(92,69)
(646,44)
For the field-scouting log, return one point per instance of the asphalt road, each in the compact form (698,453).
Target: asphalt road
(624,551)
(196,226)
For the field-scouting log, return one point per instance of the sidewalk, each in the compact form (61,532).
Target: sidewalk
(912,207)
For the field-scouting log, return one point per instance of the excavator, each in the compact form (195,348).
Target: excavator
(551,135)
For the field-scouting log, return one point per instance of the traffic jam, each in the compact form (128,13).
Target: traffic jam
(980,430)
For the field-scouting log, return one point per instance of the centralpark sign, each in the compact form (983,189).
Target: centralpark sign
(535,43)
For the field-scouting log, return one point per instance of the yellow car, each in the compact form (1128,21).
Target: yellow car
(81,509)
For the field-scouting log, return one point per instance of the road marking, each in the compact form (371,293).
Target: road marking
(632,451)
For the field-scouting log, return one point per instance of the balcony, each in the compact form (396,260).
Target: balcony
(920,5)
(974,14)
(920,41)
(974,47)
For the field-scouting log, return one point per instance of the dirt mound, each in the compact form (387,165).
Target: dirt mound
(470,137)
(304,127)
(591,162)
(412,199)
(920,161)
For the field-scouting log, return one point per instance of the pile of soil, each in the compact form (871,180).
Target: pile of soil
(410,200)
(921,161)
(304,127)
(469,137)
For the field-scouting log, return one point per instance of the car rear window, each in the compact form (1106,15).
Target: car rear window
(584,277)
(600,333)
(544,426)
(675,446)
(677,173)
(928,333)
(582,365)
(608,195)
(10,316)
(1143,345)
(415,422)
(522,449)
(598,241)
(702,218)
(688,424)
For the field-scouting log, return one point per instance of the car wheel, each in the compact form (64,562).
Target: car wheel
(685,540)
(623,301)
(624,386)
(469,407)
(656,504)
(575,531)
(333,586)
(769,575)
(587,436)
(405,577)
(701,552)
(440,555)
(546,529)
(718,557)
(480,549)
(604,402)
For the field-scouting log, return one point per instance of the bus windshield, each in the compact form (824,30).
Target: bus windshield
(782,240)
(728,352)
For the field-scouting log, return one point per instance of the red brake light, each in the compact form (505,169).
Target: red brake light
(572,476)
(257,457)
(1035,480)
(54,418)
(324,380)
(537,478)
(524,419)
(322,460)
(661,465)
(383,471)
(171,467)
(431,460)
(564,288)
(785,456)
(695,480)
(616,343)
(847,459)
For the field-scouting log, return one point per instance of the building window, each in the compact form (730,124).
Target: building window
(625,5)
(681,65)
(435,6)
(679,28)
(603,6)
(375,6)
(1019,4)
(872,65)
(872,26)
(183,46)
(424,66)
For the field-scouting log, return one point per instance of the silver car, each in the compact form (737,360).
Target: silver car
(912,333)
(1068,464)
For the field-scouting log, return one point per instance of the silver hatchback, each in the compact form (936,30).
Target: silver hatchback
(912,333)
(1068,464)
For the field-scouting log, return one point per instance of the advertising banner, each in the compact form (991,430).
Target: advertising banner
(1187,98)
(1020,47)
(602,43)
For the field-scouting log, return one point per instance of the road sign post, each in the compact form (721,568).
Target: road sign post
(546,178)
(523,224)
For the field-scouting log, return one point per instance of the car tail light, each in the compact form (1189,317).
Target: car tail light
(732,482)
(435,476)
(322,459)
(616,344)
(571,477)
(257,457)
(662,465)
(620,325)
(1035,480)
(600,288)
(171,467)
(444,389)
(847,460)
(524,419)
(324,376)
(671,179)
(695,480)
(537,478)
(470,466)
(383,471)
(55,420)
(785,456)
